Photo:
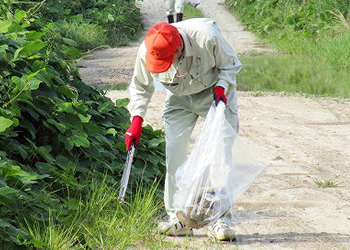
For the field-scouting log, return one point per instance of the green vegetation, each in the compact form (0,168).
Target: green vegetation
(84,36)
(292,74)
(326,183)
(100,221)
(313,40)
(90,23)
(62,148)
(192,12)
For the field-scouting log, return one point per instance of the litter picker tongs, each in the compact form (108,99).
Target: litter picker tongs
(126,173)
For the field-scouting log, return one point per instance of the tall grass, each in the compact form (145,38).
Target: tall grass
(336,51)
(292,74)
(101,222)
(53,236)
(86,36)
(313,38)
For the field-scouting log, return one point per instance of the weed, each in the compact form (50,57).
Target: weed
(56,135)
(326,183)
(100,221)
(295,74)
(52,235)
(86,35)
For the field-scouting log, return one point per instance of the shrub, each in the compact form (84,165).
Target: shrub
(120,19)
(86,36)
(56,133)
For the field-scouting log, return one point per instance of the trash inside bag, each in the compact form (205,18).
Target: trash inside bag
(219,169)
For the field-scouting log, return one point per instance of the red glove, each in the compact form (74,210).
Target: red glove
(134,132)
(219,95)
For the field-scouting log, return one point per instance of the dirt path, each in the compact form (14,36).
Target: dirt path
(300,139)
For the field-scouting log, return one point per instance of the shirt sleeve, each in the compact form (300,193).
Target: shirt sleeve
(226,61)
(141,87)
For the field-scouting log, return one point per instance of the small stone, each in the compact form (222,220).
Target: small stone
(278,158)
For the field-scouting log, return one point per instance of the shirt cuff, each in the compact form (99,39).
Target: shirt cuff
(222,83)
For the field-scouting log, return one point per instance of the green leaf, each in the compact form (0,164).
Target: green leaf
(30,47)
(3,55)
(6,195)
(68,143)
(26,124)
(68,91)
(99,139)
(34,35)
(5,123)
(65,107)
(45,153)
(7,191)
(69,42)
(19,83)
(4,224)
(4,26)
(61,127)
(81,107)
(155,142)
(112,131)
(122,102)
(31,76)
(15,233)
(25,177)
(80,139)
(103,107)
(16,54)
(34,83)
(21,149)
(31,112)
(44,167)
(120,146)
(73,52)
(64,163)
(19,15)
(84,119)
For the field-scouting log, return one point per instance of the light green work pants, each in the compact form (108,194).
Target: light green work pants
(180,115)
(174,6)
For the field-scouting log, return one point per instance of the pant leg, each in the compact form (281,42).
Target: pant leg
(180,116)
(231,114)
(179,6)
(170,7)
(179,121)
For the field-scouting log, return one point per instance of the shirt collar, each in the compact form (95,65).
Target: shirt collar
(188,43)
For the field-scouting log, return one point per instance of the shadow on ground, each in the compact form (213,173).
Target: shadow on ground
(291,237)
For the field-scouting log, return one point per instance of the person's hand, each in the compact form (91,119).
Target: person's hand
(134,132)
(219,95)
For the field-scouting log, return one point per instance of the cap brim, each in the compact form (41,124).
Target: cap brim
(156,65)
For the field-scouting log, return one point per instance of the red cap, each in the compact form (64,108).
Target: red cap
(162,41)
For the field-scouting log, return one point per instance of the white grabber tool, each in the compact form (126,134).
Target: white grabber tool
(126,173)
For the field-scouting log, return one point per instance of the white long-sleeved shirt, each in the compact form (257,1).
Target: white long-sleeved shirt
(208,59)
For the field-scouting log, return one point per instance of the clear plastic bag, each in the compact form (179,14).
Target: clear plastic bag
(219,169)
